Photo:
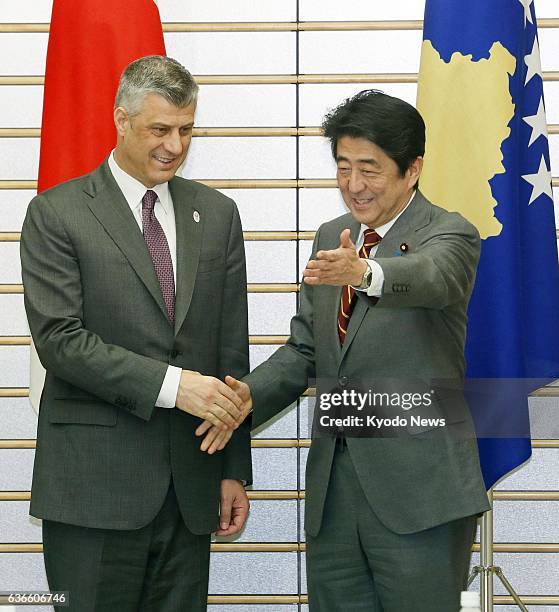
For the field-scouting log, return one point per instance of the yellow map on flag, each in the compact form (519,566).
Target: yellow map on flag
(466,106)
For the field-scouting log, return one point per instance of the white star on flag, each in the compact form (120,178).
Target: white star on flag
(527,13)
(541,182)
(533,62)
(538,123)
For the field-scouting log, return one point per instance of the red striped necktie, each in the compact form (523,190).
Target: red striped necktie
(349,299)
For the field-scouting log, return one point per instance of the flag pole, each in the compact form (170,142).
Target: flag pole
(486,557)
(485,570)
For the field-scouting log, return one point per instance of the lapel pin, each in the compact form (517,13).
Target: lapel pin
(404,248)
(196,216)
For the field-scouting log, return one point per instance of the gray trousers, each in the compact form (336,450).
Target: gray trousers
(356,564)
(161,567)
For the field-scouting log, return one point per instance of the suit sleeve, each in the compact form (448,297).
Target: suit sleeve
(54,306)
(281,379)
(234,357)
(441,272)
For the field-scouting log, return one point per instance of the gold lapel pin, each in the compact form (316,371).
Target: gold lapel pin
(196,216)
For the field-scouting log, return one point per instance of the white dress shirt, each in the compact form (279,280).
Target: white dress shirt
(133,192)
(377,278)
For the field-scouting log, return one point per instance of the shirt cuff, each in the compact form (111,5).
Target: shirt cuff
(377,279)
(167,397)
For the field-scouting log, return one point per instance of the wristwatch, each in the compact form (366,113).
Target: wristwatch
(366,280)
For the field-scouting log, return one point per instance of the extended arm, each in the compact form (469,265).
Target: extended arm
(280,380)
(441,271)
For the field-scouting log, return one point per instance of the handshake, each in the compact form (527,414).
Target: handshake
(222,405)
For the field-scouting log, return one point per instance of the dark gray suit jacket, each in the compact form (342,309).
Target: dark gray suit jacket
(105,454)
(415,330)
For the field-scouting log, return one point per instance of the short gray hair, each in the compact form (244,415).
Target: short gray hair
(156,74)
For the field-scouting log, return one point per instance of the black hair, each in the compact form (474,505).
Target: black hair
(390,123)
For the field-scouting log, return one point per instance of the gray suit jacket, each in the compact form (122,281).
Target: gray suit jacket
(415,330)
(105,454)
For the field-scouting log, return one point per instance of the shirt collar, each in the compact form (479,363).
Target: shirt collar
(134,191)
(382,230)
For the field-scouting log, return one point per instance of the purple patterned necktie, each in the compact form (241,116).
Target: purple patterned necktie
(159,251)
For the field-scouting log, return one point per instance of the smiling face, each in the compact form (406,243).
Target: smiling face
(152,144)
(370,182)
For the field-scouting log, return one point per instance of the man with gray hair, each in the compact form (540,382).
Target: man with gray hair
(135,292)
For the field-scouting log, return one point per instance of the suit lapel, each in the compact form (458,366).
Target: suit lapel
(189,242)
(415,217)
(110,207)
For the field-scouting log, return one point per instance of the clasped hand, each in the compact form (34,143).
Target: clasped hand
(217,437)
(210,399)
(341,266)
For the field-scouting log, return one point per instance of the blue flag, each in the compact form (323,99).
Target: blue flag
(487,157)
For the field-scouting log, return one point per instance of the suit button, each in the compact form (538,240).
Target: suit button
(173,354)
(343,380)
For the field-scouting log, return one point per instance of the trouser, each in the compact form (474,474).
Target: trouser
(356,564)
(162,567)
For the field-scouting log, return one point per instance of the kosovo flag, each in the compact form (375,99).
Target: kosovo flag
(487,157)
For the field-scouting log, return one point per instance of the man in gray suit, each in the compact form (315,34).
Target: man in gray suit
(135,292)
(390,520)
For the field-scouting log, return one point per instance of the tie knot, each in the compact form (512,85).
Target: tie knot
(369,235)
(148,201)
(370,239)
